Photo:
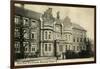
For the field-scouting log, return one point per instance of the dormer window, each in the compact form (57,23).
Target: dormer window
(33,23)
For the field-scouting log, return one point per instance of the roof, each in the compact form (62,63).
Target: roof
(27,13)
(76,26)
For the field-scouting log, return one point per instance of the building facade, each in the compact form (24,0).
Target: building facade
(26,32)
(43,35)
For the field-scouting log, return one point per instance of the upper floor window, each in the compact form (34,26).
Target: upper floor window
(33,23)
(80,39)
(17,19)
(78,48)
(26,34)
(49,35)
(69,47)
(32,35)
(46,35)
(26,49)
(17,46)
(73,39)
(17,33)
(25,44)
(69,37)
(25,21)
(66,37)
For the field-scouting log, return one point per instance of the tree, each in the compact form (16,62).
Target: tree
(88,52)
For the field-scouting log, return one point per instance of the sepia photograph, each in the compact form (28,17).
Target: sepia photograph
(44,34)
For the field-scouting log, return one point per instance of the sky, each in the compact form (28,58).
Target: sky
(79,15)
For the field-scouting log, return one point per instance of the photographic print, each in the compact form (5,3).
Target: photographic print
(44,34)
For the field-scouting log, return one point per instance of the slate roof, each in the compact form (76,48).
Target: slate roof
(27,13)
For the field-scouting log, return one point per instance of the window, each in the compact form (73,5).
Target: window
(80,39)
(26,49)
(49,47)
(66,37)
(69,37)
(74,40)
(26,34)
(17,46)
(45,47)
(25,44)
(33,49)
(74,48)
(69,47)
(78,48)
(17,49)
(49,35)
(16,19)
(32,35)
(46,35)
(26,21)
(17,33)
(33,23)
(66,47)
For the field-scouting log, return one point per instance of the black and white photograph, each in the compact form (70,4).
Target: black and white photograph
(51,34)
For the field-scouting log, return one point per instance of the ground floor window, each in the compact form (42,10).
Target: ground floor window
(47,47)
(17,46)
(33,49)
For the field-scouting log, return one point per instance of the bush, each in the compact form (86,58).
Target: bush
(71,55)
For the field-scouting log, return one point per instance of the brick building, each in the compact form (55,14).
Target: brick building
(44,35)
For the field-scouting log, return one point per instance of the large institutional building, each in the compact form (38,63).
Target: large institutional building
(38,34)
